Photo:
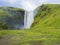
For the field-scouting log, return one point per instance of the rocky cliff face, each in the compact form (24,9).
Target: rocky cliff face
(11,18)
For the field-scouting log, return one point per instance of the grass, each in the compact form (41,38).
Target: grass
(44,31)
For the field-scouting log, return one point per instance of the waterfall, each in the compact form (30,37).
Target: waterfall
(29,18)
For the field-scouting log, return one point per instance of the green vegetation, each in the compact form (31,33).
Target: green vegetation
(44,31)
(10,15)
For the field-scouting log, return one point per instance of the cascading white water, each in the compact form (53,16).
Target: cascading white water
(29,18)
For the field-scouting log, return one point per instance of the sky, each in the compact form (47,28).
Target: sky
(27,4)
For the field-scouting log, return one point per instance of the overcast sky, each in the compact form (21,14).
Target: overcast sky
(30,4)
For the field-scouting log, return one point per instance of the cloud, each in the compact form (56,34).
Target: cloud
(26,4)
(30,4)
(53,1)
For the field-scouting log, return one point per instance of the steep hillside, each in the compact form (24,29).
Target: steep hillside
(48,17)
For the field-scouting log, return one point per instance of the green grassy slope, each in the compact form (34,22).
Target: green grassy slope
(44,31)
(48,17)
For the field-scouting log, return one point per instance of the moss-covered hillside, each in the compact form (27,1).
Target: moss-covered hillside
(48,16)
(44,31)
(10,16)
